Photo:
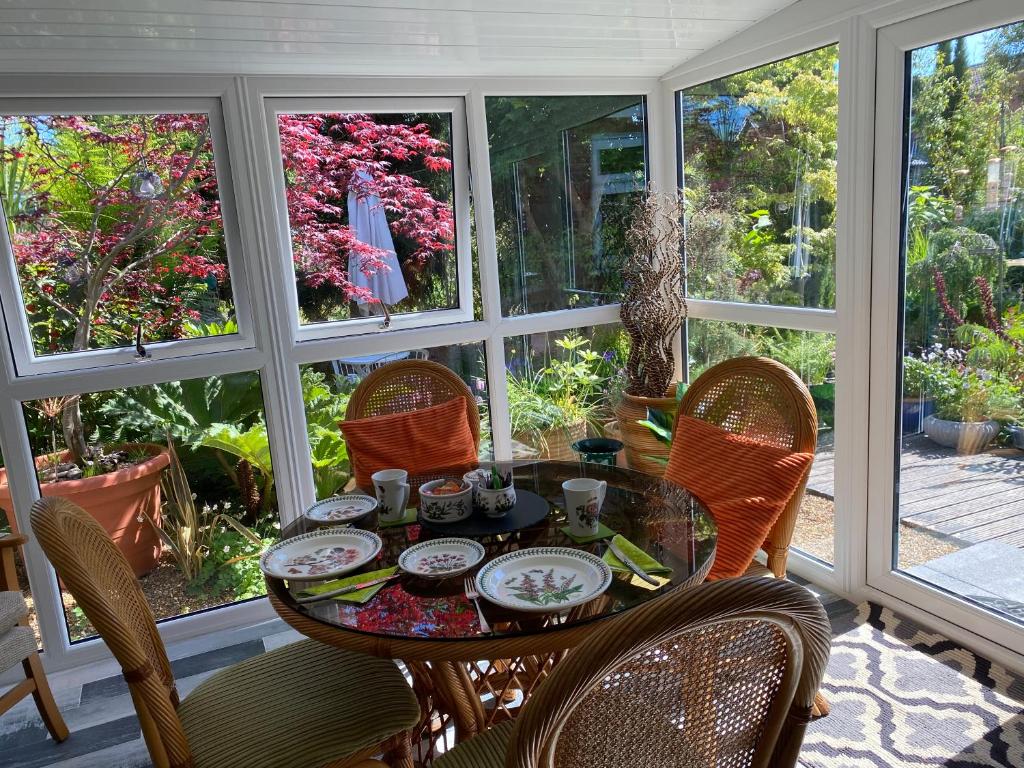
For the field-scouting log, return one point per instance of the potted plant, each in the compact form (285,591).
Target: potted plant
(652,310)
(918,401)
(965,404)
(554,407)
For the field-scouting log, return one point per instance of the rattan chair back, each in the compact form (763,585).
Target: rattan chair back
(103,584)
(764,400)
(722,676)
(409,385)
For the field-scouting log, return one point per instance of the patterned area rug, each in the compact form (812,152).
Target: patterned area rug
(903,697)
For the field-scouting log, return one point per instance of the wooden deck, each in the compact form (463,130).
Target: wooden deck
(969,499)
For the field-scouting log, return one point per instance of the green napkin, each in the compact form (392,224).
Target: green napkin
(352,597)
(409,517)
(603,532)
(637,555)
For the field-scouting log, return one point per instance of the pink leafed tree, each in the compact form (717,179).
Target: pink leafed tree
(115,220)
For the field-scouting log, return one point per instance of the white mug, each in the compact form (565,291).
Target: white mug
(392,493)
(583,500)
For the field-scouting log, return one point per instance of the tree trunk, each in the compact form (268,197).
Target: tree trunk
(71,417)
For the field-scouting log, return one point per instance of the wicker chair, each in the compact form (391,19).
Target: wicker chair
(766,401)
(410,385)
(18,643)
(722,675)
(303,705)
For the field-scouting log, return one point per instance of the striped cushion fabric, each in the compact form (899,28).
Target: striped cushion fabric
(487,750)
(16,645)
(417,441)
(746,485)
(301,706)
(12,609)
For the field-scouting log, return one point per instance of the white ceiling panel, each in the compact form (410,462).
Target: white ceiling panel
(360,37)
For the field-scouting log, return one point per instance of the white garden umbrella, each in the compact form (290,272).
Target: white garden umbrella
(369,224)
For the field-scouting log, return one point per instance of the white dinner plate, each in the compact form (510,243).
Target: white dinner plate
(441,558)
(345,508)
(323,554)
(543,579)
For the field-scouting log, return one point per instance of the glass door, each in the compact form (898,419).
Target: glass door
(951,340)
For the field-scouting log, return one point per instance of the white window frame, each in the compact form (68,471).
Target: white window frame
(455,107)
(26,362)
(839,320)
(893,43)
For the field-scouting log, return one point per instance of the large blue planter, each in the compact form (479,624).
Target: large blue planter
(915,411)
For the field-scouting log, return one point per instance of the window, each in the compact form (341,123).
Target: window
(221,486)
(562,386)
(377,212)
(119,229)
(564,171)
(957,518)
(812,357)
(327,386)
(759,150)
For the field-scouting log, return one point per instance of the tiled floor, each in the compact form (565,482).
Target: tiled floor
(99,712)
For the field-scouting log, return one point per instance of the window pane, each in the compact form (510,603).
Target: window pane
(219,434)
(115,221)
(371,207)
(562,386)
(812,357)
(759,154)
(564,171)
(958,518)
(327,386)
(7,526)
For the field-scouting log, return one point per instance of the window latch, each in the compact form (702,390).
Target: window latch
(387,317)
(140,350)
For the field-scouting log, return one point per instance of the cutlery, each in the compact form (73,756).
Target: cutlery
(617,551)
(346,590)
(474,595)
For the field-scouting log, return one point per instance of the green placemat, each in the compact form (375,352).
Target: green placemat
(410,517)
(352,597)
(603,532)
(637,555)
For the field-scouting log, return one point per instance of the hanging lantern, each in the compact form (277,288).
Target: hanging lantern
(146,185)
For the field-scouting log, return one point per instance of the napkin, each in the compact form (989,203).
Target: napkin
(603,532)
(637,555)
(352,597)
(409,517)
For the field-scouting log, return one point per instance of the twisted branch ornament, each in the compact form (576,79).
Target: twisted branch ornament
(653,305)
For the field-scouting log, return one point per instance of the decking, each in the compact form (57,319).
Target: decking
(968,499)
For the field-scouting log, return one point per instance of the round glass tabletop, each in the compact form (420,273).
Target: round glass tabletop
(662,519)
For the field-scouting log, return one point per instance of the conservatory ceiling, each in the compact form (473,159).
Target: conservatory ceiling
(371,37)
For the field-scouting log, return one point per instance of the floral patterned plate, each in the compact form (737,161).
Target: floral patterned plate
(323,554)
(543,579)
(346,508)
(441,558)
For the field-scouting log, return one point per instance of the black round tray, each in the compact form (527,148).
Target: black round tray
(529,510)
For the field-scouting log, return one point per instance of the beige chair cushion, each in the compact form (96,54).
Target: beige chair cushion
(15,645)
(301,706)
(484,751)
(12,609)
(756,569)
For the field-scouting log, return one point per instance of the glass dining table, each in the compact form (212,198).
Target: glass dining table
(470,679)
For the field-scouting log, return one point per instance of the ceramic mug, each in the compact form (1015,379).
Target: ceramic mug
(392,491)
(583,500)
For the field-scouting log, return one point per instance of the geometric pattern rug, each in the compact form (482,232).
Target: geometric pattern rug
(903,697)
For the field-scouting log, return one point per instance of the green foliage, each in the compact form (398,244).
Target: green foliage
(810,355)
(328,451)
(233,566)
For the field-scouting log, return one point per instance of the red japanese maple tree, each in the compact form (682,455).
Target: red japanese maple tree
(115,220)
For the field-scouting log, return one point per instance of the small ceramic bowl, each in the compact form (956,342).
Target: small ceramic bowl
(448,507)
(497,503)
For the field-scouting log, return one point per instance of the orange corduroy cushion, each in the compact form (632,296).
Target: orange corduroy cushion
(416,441)
(745,483)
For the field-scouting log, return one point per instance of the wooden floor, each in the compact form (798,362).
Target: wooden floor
(970,499)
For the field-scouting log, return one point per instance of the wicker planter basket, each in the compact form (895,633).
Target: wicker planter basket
(556,444)
(640,441)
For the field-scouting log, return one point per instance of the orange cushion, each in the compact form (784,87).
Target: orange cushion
(416,441)
(745,483)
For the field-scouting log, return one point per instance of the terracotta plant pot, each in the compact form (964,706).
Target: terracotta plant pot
(966,436)
(118,500)
(641,443)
